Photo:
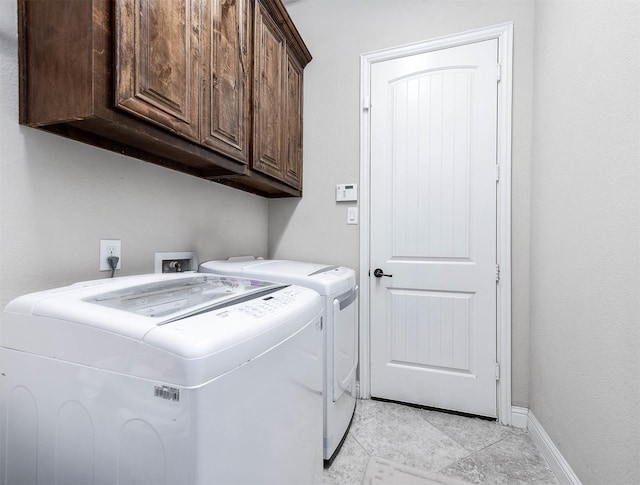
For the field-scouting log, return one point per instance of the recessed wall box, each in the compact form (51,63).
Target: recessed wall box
(176,262)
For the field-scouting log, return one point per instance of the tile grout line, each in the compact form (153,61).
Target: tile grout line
(421,416)
(453,430)
(474,452)
(360,444)
(369,455)
(471,453)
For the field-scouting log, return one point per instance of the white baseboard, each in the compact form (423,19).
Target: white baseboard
(552,454)
(519,417)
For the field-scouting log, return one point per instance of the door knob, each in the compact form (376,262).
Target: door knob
(378,273)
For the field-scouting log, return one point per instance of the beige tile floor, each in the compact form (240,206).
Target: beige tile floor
(471,449)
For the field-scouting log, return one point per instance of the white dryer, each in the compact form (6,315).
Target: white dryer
(162,379)
(337,287)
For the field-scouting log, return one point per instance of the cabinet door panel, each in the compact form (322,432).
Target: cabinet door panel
(225,112)
(293,101)
(157,62)
(268,98)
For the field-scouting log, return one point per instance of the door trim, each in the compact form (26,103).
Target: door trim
(504,34)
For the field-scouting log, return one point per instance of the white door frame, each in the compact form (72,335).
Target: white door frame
(504,34)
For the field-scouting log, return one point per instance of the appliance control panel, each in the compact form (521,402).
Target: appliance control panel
(270,304)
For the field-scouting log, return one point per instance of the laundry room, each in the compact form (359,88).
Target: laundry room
(565,366)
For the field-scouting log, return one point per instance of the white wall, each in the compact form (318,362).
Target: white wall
(585,235)
(337,33)
(59,197)
(576,200)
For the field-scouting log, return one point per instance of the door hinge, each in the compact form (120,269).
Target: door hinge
(497,173)
(497,371)
(366,103)
(497,273)
(499,72)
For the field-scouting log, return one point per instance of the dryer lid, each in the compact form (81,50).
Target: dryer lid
(323,278)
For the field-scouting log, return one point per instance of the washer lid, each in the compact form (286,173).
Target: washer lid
(130,306)
(181,329)
(175,299)
(213,343)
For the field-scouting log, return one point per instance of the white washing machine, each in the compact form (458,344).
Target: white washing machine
(337,287)
(162,379)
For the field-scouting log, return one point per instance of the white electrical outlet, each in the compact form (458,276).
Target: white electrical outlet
(109,247)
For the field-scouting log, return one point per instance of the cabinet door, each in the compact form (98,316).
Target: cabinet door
(293,123)
(225,111)
(157,62)
(268,106)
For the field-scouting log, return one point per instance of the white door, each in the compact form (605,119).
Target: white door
(433,228)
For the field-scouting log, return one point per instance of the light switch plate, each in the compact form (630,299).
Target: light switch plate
(352,215)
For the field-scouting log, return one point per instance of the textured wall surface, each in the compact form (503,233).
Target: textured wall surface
(576,198)
(585,236)
(59,197)
(337,33)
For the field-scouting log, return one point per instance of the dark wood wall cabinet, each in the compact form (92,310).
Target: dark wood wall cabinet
(212,88)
